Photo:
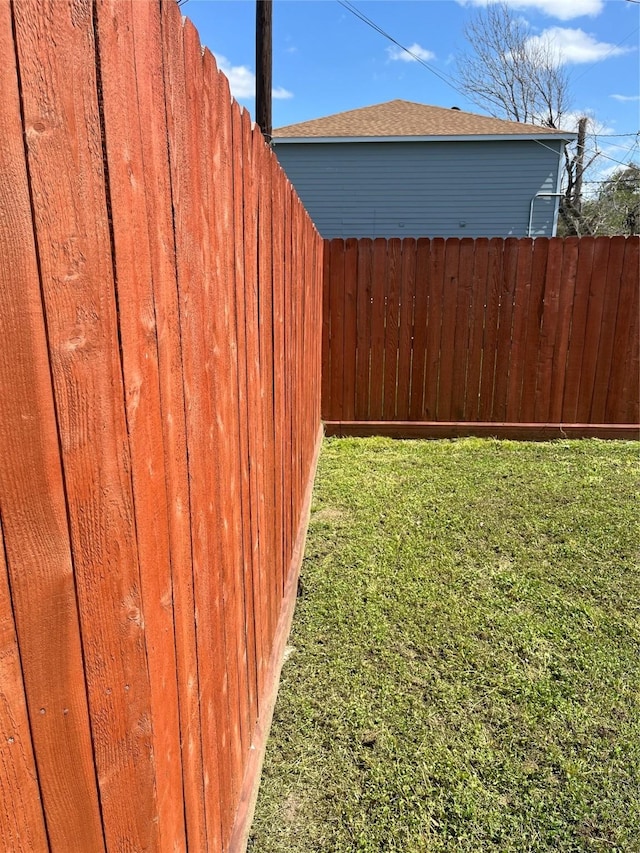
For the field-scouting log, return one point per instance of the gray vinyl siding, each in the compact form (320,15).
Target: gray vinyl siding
(425,189)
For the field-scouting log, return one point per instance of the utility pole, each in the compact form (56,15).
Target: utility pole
(264,10)
(577,187)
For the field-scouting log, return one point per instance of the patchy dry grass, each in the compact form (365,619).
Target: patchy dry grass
(466,664)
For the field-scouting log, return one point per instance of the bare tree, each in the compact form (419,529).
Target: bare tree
(514,75)
(509,73)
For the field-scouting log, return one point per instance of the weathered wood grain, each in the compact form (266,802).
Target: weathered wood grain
(56,54)
(131,181)
(42,657)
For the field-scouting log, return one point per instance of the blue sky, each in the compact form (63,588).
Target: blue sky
(326,60)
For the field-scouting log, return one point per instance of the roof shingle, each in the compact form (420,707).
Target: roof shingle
(405,119)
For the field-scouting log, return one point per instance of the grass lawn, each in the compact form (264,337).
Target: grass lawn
(464,670)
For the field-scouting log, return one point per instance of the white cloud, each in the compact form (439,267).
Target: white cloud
(242,81)
(564,10)
(281,93)
(417,51)
(625,98)
(575,46)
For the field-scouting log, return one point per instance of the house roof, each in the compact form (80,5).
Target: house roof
(401,119)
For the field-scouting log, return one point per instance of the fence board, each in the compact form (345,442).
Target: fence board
(192,261)
(447,340)
(623,387)
(279,411)
(166,81)
(577,337)
(492,330)
(336,343)
(521,296)
(532,333)
(490,339)
(327,373)
(592,331)
(223,346)
(548,327)
(240,144)
(288,320)
(72,229)
(378,310)
(256,438)
(476,328)
(350,331)
(265,333)
(405,329)
(22,826)
(504,332)
(432,360)
(420,325)
(463,310)
(42,596)
(392,316)
(604,331)
(565,309)
(363,329)
(127,177)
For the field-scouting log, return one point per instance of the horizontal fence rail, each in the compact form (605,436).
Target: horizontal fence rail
(504,336)
(160,356)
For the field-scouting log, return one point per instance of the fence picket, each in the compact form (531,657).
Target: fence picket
(72,230)
(565,309)
(128,176)
(378,311)
(522,292)
(194,262)
(505,329)
(47,763)
(577,336)
(490,338)
(625,390)
(613,314)
(406,327)
(166,95)
(476,328)
(363,329)
(22,826)
(350,332)
(392,316)
(434,329)
(463,313)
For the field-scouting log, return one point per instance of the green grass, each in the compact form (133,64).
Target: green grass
(465,663)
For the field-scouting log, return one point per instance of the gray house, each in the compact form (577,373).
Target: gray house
(402,169)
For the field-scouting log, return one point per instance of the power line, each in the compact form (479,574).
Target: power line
(613,159)
(622,41)
(346,4)
(615,145)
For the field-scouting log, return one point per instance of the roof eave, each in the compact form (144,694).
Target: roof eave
(484,137)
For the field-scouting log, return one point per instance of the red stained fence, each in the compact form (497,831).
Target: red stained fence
(511,337)
(160,364)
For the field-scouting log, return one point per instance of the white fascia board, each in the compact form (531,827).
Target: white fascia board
(494,137)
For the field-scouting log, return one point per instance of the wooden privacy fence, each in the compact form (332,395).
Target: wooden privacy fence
(507,337)
(160,357)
